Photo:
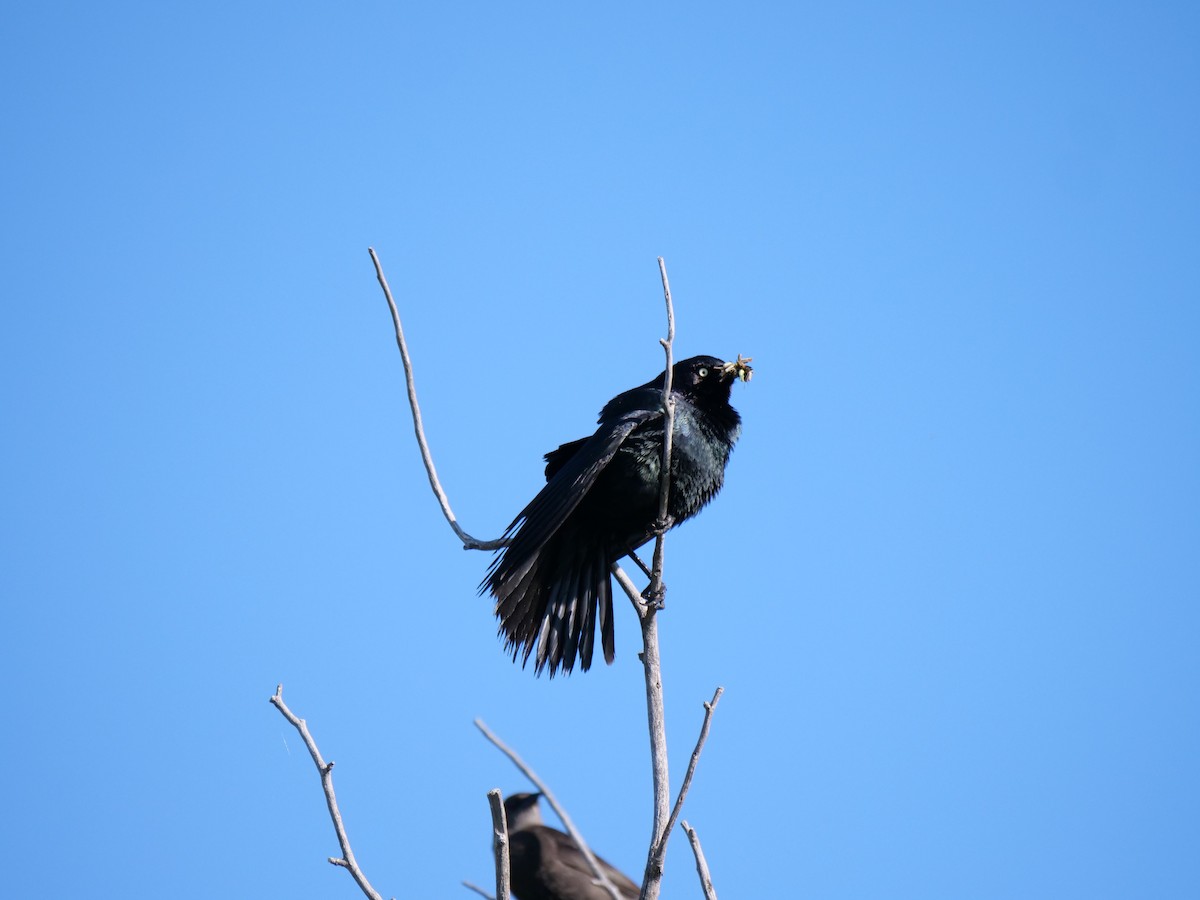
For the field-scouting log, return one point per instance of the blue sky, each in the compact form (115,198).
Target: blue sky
(951,587)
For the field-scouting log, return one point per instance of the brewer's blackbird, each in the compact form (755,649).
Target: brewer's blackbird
(601,502)
(545,864)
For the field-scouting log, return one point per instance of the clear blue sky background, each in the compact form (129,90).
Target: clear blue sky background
(951,587)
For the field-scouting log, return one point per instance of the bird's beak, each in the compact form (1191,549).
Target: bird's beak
(740,368)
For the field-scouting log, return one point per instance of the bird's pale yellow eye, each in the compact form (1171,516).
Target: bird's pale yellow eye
(702,371)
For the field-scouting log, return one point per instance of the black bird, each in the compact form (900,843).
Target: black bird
(545,863)
(601,502)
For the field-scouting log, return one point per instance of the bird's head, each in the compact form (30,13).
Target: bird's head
(522,810)
(709,376)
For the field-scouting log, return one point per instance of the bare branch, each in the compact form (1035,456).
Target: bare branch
(630,589)
(499,846)
(648,614)
(469,542)
(500,842)
(598,874)
(709,707)
(710,892)
(655,590)
(347,860)
(656,722)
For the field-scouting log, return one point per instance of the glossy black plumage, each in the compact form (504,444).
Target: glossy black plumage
(600,501)
(544,862)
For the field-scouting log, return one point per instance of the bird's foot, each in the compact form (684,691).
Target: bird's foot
(663,525)
(656,599)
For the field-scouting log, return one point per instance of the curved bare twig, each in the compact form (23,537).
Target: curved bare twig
(468,542)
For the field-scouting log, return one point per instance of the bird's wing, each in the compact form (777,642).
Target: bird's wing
(644,403)
(556,459)
(572,479)
(569,855)
(638,400)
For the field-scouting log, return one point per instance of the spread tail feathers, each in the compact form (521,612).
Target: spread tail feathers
(553,616)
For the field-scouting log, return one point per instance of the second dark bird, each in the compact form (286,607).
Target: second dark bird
(545,863)
(601,502)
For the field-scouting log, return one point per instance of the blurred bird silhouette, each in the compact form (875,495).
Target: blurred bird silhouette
(601,502)
(545,863)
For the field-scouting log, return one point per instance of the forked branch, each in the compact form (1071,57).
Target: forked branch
(347,860)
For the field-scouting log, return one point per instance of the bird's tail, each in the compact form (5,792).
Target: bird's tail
(553,615)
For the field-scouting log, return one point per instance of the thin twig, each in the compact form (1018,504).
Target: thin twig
(600,878)
(709,708)
(347,860)
(469,542)
(500,843)
(655,590)
(477,889)
(710,892)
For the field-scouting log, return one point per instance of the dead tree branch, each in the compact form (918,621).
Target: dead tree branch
(469,542)
(709,708)
(710,893)
(500,842)
(597,873)
(347,860)
(500,847)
